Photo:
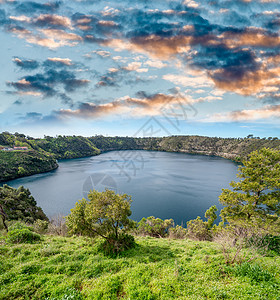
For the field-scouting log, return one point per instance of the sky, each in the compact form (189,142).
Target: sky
(140,68)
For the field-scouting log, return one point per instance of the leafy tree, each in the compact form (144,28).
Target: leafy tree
(18,204)
(155,227)
(255,200)
(105,214)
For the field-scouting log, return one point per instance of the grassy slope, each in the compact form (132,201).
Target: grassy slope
(58,268)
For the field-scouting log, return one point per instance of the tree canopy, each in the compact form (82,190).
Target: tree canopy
(255,200)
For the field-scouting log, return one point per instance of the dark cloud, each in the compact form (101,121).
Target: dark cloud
(52,21)
(33,116)
(30,7)
(47,83)
(18,102)
(26,64)
(3,19)
(234,62)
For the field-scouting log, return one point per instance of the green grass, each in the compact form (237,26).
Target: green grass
(72,268)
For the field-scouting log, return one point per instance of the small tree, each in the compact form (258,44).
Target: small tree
(18,204)
(255,200)
(105,214)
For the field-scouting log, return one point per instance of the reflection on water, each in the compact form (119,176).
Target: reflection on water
(167,185)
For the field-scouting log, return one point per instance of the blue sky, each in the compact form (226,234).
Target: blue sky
(140,68)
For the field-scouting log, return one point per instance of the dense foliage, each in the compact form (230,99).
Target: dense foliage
(18,204)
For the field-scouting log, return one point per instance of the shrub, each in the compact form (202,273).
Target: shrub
(198,230)
(41,226)
(155,227)
(22,235)
(57,226)
(177,232)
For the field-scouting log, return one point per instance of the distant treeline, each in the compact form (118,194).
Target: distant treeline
(43,153)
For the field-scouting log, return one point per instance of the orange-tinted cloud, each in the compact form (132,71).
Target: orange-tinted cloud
(51,38)
(266,112)
(144,106)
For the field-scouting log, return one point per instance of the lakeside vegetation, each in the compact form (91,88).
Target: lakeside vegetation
(43,152)
(99,253)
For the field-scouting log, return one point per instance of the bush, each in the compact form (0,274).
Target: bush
(19,225)
(22,234)
(41,226)
(112,247)
(198,230)
(177,232)
(155,227)
(265,243)
(57,226)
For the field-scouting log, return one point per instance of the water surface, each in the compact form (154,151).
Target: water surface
(165,185)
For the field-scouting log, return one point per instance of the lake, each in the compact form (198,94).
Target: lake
(162,184)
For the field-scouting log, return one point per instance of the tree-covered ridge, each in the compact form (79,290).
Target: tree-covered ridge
(233,148)
(60,147)
(63,147)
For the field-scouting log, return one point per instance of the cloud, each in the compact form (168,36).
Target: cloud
(46,84)
(155,64)
(53,21)
(187,80)
(50,38)
(142,105)
(45,20)
(56,61)
(266,112)
(26,64)
(33,7)
(233,44)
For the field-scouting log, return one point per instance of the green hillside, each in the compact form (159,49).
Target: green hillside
(72,268)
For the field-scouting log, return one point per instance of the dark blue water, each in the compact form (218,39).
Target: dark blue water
(165,185)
